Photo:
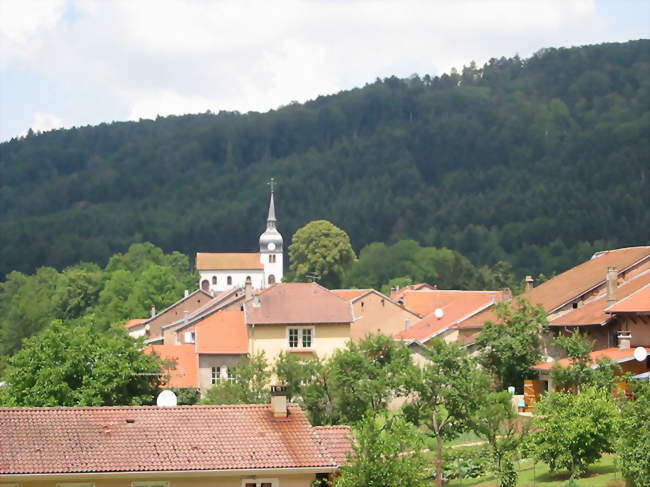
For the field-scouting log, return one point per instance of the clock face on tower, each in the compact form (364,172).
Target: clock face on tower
(271,246)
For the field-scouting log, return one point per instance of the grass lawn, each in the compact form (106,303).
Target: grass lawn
(601,474)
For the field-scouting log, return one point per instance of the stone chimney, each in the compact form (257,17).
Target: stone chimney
(187,293)
(153,311)
(529,283)
(624,340)
(612,275)
(279,401)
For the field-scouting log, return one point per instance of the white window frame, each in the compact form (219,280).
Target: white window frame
(150,483)
(301,337)
(190,337)
(258,482)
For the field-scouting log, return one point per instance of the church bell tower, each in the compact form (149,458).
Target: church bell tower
(271,250)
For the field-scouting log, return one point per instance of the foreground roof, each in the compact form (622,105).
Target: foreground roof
(149,438)
(337,440)
(637,302)
(226,261)
(297,303)
(615,354)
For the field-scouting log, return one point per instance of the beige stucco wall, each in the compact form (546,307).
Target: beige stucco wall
(207,361)
(374,314)
(284,480)
(273,339)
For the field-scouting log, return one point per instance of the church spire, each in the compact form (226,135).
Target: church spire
(270,221)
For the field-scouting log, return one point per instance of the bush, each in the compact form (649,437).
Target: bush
(634,443)
(465,462)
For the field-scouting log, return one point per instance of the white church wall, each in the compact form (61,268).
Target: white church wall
(238,278)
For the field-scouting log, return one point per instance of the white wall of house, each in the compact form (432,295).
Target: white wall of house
(238,279)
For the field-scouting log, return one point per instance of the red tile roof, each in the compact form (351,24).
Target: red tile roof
(145,438)
(412,287)
(222,261)
(456,306)
(427,301)
(351,294)
(593,313)
(134,322)
(615,354)
(637,302)
(186,372)
(222,332)
(298,302)
(337,440)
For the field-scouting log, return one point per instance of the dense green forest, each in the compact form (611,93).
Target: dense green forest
(538,162)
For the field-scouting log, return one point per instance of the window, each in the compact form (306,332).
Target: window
(260,483)
(301,337)
(271,279)
(190,337)
(150,484)
(229,280)
(216,375)
(248,280)
(271,258)
(205,284)
(214,280)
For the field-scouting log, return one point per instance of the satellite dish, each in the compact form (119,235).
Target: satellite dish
(166,398)
(640,354)
(439,313)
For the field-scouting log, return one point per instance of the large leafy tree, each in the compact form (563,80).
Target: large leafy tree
(387,453)
(249,384)
(81,365)
(572,431)
(510,346)
(634,439)
(322,248)
(446,393)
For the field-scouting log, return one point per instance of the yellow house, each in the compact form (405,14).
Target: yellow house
(301,318)
(255,445)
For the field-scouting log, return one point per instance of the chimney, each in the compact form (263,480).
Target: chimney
(187,293)
(612,275)
(624,340)
(279,401)
(248,290)
(529,283)
(153,311)
(256,302)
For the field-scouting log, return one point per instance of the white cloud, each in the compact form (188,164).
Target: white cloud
(180,56)
(42,122)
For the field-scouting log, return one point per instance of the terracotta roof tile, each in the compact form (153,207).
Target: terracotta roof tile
(412,287)
(186,372)
(223,261)
(637,302)
(222,332)
(457,306)
(615,354)
(593,312)
(350,294)
(426,301)
(337,440)
(134,322)
(298,302)
(139,439)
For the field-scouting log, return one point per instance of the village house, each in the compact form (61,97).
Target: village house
(246,445)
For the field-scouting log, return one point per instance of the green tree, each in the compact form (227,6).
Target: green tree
(572,431)
(581,371)
(446,393)
(510,346)
(81,366)
(387,453)
(366,376)
(249,384)
(322,248)
(633,442)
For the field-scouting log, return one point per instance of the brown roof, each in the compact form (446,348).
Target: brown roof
(351,294)
(208,261)
(458,306)
(222,332)
(615,354)
(594,312)
(134,322)
(146,438)
(426,301)
(412,287)
(186,371)
(637,302)
(298,302)
(337,440)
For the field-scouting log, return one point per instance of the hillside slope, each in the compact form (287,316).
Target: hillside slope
(538,161)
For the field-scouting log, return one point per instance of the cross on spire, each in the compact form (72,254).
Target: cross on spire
(272,183)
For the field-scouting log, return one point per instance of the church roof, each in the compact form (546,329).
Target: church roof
(227,261)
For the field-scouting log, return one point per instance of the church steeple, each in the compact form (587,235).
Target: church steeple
(271,240)
(271,221)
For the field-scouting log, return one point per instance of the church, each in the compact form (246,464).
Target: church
(221,271)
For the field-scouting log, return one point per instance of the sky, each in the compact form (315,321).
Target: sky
(67,63)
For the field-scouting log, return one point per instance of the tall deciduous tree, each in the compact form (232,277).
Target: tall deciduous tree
(322,248)
(510,346)
(446,393)
(81,366)
(249,384)
(634,439)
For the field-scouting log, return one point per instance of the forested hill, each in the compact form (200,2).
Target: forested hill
(538,161)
